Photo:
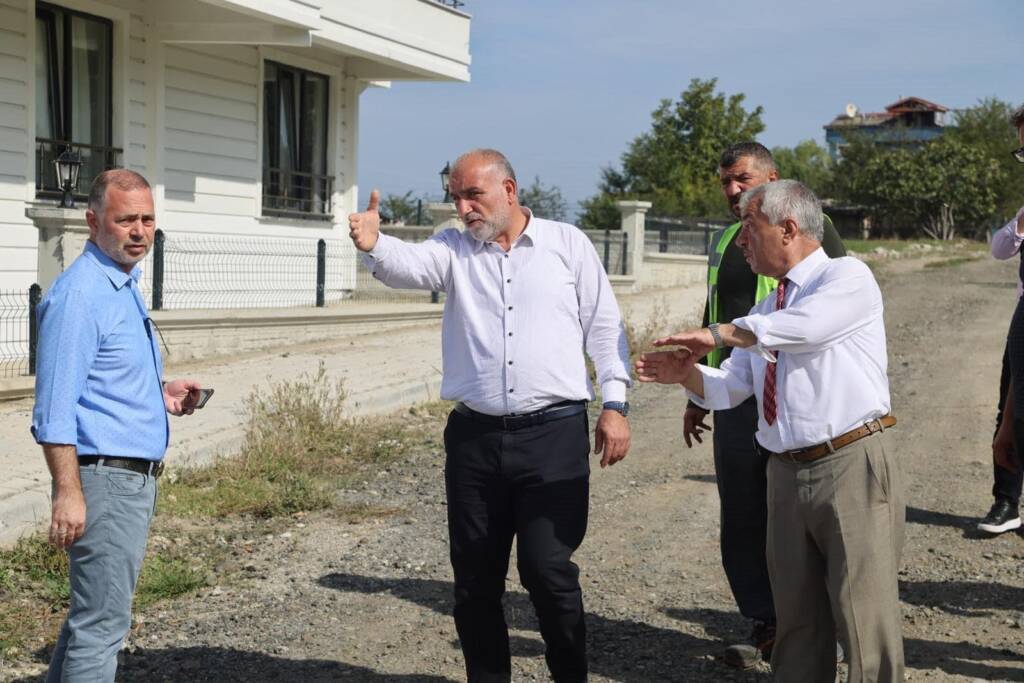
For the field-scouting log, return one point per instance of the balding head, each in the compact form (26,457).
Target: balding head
(498,162)
(486,195)
(122,178)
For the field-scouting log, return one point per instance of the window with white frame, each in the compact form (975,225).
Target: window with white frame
(296,178)
(74,102)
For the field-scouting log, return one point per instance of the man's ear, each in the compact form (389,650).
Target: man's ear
(511,190)
(94,223)
(790,230)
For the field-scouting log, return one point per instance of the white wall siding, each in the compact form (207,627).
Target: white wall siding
(18,236)
(135,146)
(210,137)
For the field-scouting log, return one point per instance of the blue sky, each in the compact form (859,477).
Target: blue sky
(562,87)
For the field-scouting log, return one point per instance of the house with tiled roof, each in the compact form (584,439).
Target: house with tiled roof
(908,121)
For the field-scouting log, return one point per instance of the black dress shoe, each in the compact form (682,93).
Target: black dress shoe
(1002,517)
(759,648)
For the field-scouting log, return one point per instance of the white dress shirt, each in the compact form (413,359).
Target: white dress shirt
(831,373)
(1006,244)
(516,323)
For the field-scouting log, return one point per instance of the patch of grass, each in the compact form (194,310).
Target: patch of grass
(164,578)
(945,263)
(33,593)
(299,449)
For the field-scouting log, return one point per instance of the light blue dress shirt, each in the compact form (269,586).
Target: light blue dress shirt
(98,365)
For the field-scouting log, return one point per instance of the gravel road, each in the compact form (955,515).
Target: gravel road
(323,599)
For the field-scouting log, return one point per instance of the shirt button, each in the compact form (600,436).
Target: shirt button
(510,308)
(510,334)
(508,280)
(506,255)
(510,362)
(511,390)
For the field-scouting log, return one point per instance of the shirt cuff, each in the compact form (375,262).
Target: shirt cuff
(380,249)
(56,432)
(613,390)
(760,326)
(716,397)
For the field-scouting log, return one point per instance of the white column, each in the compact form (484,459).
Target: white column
(443,216)
(62,237)
(633,224)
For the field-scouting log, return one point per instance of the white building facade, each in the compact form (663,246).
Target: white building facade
(243,114)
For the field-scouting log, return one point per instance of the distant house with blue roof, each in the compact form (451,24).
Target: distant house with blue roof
(911,120)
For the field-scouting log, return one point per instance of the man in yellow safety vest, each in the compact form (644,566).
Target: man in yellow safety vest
(733,289)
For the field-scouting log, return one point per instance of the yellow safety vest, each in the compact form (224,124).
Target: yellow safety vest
(765,285)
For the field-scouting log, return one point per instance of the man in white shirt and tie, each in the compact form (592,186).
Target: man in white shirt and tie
(524,297)
(814,355)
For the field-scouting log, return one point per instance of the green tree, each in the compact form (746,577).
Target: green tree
(400,208)
(808,162)
(986,127)
(941,188)
(546,201)
(674,164)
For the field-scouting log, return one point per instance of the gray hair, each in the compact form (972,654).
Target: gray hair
(493,156)
(788,199)
(123,179)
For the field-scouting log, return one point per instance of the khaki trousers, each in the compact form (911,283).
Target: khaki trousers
(835,536)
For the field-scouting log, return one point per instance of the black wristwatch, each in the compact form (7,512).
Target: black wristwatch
(621,407)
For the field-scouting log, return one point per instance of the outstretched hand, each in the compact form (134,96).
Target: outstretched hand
(666,367)
(698,342)
(364,228)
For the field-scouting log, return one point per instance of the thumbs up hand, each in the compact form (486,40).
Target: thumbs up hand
(364,228)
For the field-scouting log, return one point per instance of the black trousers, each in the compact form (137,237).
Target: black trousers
(533,484)
(1006,484)
(741,471)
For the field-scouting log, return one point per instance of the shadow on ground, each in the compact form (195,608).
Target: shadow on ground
(620,649)
(702,478)
(963,598)
(226,665)
(968,525)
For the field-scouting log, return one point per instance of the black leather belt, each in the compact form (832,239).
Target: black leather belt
(151,467)
(556,411)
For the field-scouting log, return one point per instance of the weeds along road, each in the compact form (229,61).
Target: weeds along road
(368,598)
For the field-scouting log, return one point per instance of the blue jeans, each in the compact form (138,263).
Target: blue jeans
(105,564)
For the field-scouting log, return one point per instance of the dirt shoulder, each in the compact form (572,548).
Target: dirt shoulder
(368,599)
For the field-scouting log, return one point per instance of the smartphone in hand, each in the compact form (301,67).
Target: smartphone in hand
(204,396)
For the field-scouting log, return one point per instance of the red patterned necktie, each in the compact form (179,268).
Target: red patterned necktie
(770,407)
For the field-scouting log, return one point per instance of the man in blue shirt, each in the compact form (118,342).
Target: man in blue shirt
(101,418)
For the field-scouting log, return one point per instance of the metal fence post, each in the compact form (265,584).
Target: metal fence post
(625,252)
(663,238)
(321,271)
(35,295)
(707,240)
(158,271)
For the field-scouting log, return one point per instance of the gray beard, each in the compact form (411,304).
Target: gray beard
(485,234)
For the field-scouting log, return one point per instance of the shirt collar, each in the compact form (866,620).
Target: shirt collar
(801,272)
(529,231)
(110,267)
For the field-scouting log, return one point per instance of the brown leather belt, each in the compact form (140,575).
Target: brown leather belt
(821,450)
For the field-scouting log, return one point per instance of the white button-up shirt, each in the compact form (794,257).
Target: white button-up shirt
(516,323)
(1006,244)
(831,373)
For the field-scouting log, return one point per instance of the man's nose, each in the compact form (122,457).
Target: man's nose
(462,207)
